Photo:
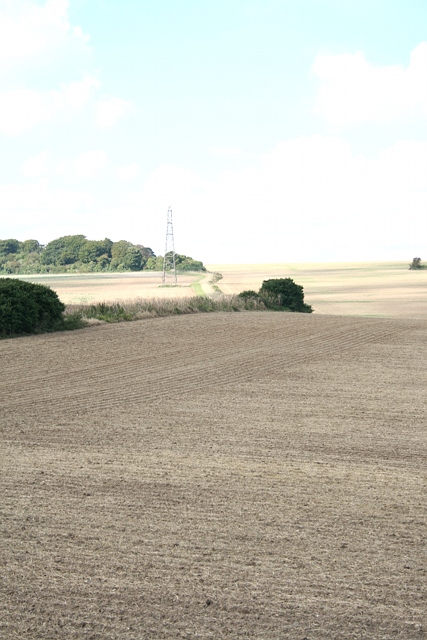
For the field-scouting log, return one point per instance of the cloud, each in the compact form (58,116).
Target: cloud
(351,90)
(89,165)
(128,171)
(22,109)
(228,152)
(109,110)
(29,30)
(172,183)
(39,197)
(39,44)
(38,210)
(309,198)
(74,96)
(37,166)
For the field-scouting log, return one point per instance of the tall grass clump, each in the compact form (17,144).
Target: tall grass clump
(138,309)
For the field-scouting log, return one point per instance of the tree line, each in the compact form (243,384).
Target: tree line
(77,254)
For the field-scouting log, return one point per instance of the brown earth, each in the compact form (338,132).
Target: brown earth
(247,475)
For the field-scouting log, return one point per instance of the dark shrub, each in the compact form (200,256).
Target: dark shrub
(28,308)
(284,293)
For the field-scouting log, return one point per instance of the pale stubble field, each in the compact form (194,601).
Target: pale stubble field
(379,289)
(255,474)
(88,288)
(358,288)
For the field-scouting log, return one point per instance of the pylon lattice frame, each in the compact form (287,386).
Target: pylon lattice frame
(169,262)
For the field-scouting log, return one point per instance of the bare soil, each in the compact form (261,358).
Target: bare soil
(246,475)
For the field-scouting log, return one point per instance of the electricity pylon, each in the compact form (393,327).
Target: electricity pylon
(169,265)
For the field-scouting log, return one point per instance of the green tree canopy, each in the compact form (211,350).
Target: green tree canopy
(154,264)
(75,253)
(64,250)
(93,249)
(118,251)
(146,252)
(9,246)
(132,259)
(182,262)
(185,263)
(30,246)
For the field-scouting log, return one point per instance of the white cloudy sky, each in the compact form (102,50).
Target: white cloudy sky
(276,130)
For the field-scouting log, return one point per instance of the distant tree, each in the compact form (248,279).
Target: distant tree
(10,264)
(185,263)
(118,251)
(30,246)
(64,250)
(126,256)
(146,253)
(102,263)
(9,246)
(284,293)
(154,264)
(416,264)
(132,259)
(91,250)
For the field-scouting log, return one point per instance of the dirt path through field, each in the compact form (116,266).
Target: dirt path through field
(246,475)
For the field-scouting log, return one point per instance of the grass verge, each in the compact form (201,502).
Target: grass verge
(198,289)
(77,316)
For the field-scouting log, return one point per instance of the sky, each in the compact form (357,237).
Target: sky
(276,130)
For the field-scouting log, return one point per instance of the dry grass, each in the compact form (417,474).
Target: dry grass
(251,475)
(125,310)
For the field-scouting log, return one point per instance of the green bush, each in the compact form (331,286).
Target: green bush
(74,320)
(284,294)
(281,294)
(28,308)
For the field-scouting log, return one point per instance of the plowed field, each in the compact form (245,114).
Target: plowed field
(246,475)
